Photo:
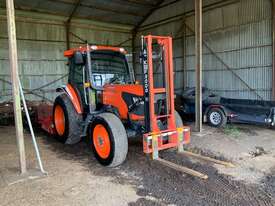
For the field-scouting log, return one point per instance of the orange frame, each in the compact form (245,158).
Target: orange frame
(70,52)
(75,99)
(173,140)
(166,43)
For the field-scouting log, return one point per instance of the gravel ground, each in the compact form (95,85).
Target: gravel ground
(251,148)
(75,178)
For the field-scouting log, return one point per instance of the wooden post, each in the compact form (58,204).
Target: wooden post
(15,84)
(273,50)
(183,44)
(198,42)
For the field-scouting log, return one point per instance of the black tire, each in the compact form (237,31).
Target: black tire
(117,137)
(73,120)
(216,118)
(178,120)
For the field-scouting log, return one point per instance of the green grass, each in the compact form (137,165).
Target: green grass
(232,130)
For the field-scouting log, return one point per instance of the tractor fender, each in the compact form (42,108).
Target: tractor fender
(91,117)
(73,96)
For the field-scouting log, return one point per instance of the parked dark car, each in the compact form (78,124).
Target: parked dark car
(218,111)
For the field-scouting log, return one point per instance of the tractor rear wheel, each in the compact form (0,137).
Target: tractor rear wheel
(66,120)
(178,120)
(108,139)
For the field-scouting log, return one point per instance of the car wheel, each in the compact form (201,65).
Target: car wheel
(216,118)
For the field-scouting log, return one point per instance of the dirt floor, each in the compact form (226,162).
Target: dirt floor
(75,178)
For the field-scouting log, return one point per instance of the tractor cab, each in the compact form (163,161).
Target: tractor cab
(107,67)
(102,77)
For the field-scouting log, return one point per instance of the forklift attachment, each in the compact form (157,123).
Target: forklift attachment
(191,154)
(158,137)
(182,169)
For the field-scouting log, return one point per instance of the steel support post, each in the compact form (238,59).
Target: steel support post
(198,39)
(198,43)
(273,50)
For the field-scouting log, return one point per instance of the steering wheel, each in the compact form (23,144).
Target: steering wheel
(114,80)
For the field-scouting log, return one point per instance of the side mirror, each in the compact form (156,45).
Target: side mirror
(78,58)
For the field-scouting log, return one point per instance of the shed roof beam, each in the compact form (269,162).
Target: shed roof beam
(76,5)
(169,3)
(68,23)
(138,2)
(107,9)
(147,15)
(188,13)
(43,11)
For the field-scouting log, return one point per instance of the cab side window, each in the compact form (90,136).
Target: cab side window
(76,74)
(76,78)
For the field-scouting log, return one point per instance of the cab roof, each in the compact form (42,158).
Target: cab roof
(70,52)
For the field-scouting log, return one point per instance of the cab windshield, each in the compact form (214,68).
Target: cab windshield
(109,67)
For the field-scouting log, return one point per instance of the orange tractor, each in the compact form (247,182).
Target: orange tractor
(103,103)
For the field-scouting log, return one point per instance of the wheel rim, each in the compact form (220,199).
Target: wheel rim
(59,120)
(215,118)
(101,141)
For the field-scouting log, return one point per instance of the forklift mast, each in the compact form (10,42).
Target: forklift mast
(150,91)
(155,93)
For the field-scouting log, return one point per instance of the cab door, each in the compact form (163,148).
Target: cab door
(77,78)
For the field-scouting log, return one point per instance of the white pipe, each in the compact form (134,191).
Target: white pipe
(31,129)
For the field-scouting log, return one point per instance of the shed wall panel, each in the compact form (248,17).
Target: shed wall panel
(41,43)
(239,35)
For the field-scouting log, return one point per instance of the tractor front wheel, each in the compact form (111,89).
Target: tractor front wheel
(108,139)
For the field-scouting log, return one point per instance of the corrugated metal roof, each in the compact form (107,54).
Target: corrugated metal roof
(129,12)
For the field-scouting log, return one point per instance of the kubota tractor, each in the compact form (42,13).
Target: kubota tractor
(104,104)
